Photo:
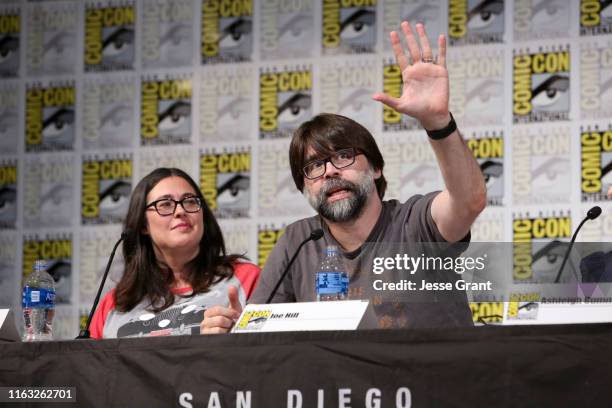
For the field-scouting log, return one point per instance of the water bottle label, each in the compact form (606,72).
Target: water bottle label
(331,283)
(38,297)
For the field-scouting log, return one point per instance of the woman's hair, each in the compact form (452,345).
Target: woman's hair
(144,275)
(327,133)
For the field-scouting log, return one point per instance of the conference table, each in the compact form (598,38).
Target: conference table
(501,366)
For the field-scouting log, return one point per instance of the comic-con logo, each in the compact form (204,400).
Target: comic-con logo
(225,181)
(8,195)
(541,85)
(108,114)
(523,306)
(10,25)
(165,116)
(253,320)
(346,89)
(477,87)
(48,191)
(109,38)
(57,252)
(106,189)
(287,29)
(51,38)
(267,237)
(225,100)
(9,118)
(489,152)
(596,80)
(167,33)
(596,163)
(487,312)
(537,248)
(285,101)
(349,26)
(475,22)
(535,20)
(50,118)
(595,17)
(227,31)
(541,165)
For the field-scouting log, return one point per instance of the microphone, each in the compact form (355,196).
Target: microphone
(84,334)
(314,236)
(593,213)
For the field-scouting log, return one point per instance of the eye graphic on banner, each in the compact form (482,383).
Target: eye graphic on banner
(110,37)
(48,192)
(595,79)
(349,27)
(225,181)
(546,19)
(50,117)
(166,111)
(106,188)
(108,113)
(418,170)
(10,27)
(167,34)
(538,249)
(541,86)
(286,29)
(488,149)
(56,250)
(8,194)
(285,101)
(51,39)
(227,31)
(476,86)
(9,118)
(471,22)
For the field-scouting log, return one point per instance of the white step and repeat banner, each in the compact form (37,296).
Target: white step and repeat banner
(95,94)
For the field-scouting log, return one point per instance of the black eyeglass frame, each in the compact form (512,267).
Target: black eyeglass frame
(176,203)
(355,152)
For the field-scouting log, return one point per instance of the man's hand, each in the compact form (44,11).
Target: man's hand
(219,319)
(425,78)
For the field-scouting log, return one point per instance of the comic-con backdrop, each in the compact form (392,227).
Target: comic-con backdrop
(95,94)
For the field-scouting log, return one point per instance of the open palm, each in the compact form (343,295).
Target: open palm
(425,82)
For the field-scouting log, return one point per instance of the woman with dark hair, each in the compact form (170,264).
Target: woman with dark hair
(175,263)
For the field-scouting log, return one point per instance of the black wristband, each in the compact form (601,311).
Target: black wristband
(440,134)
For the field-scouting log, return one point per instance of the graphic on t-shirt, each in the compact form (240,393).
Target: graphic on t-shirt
(176,320)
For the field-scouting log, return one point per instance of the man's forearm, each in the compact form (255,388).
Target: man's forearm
(461,173)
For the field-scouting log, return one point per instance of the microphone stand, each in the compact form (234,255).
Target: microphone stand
(85,334)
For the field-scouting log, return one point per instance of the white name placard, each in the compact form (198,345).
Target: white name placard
(304,316)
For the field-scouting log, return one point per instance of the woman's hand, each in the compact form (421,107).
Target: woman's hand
(219,319)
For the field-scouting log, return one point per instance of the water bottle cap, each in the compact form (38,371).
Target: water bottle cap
(40,265)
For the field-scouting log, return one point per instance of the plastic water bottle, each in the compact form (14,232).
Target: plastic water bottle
(38,302)
(331,281)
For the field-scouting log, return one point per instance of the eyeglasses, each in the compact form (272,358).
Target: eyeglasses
(340,159)
(167,206)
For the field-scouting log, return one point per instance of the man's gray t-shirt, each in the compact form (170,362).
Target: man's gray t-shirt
(399,225)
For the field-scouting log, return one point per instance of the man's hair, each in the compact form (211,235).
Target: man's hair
(327,133)
(144,276)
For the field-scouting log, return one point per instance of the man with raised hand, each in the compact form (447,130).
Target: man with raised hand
(336,163)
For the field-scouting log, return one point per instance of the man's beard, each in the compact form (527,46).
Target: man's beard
(345,209)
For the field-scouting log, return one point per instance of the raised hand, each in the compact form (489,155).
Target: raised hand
(219,319)
(425,79)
